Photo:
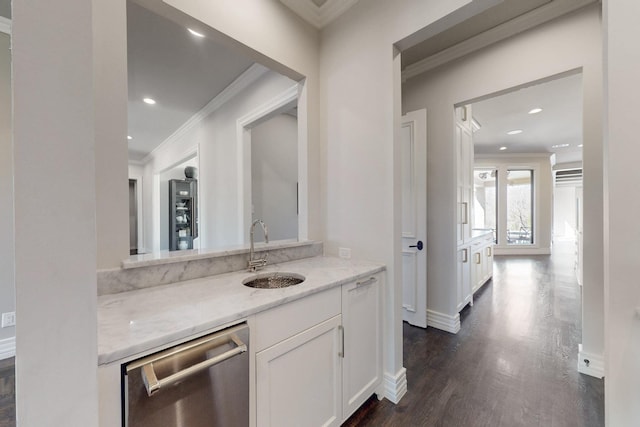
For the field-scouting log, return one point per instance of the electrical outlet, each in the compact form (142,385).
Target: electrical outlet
(8,319)
(344,253)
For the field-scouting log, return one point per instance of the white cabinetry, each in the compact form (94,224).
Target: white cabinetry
(464,156)
(464,194)
(362,320)
(298,380)
(319,358)
(463,275)
(482,267)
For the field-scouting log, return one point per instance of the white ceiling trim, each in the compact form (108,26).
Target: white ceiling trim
(319,16)
(5,25)
(510,28)
(252,74)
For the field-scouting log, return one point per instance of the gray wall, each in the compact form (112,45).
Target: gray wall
(7,288)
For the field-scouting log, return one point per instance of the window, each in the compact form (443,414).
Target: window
(520,207)
(485,202)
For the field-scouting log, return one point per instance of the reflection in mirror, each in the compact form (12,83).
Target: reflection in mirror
(193,102)
(274,174)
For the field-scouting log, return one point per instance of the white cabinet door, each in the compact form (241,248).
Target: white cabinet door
(488,262)
(298,381)
(362,320)
(477,266)
(464,170)
(463,285)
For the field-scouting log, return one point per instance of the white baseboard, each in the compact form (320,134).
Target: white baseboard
(443,322)
(590,364)
(7,348)
(395,386)
(521,251)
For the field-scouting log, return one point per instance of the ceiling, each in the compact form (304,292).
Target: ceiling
(180,71)
(559,122)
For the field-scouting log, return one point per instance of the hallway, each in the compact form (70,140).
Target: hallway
(512,364)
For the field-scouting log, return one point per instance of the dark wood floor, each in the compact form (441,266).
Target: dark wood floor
(512,364)
(7,393)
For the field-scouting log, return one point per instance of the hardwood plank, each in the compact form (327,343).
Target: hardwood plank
(7,393)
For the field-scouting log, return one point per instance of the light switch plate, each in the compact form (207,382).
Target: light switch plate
(8,319)
(344,253)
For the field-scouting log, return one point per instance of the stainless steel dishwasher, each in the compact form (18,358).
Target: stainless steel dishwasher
(204,382)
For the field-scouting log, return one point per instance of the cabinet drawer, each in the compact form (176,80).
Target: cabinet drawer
(277,324)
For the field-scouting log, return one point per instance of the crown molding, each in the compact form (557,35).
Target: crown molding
(5,25)
(245,79)
(321,16)
(503,31)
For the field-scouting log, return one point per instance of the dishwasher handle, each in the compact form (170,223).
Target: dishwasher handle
(153,384)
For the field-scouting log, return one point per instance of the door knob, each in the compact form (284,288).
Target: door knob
(418,245)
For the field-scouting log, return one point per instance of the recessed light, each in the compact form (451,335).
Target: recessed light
(514,132)
(535,111)
(195,33)
(503,148)
(129,137)
(560,146)
(580,145)
(149,101)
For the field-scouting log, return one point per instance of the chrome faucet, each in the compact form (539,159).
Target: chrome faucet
(255,264)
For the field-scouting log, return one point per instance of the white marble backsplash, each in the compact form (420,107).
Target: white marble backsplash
(149,272)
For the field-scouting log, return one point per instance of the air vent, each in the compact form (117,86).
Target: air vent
(569,176)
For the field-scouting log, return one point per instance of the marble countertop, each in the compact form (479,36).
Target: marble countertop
(480,232)
(133,322)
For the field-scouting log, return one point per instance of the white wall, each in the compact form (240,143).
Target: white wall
(274,175)
(564,44)
(542,205)
(55,212)
(360,120)
(564,212)
(216,142)
(110,83)
(7,288)
(622,371)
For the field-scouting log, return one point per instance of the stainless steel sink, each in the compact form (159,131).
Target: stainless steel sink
(273,280)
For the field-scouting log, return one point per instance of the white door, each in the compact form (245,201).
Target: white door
(414,217)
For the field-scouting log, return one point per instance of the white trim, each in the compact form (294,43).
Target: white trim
(503,31)
(139,179)
(395,386)
(276,105)
(595,366)
(7,348)
(319,16)
(444,322)
(5,25)
(245,79)
(521,250)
